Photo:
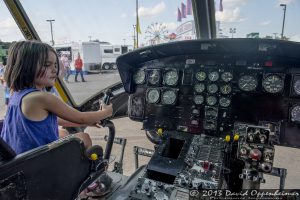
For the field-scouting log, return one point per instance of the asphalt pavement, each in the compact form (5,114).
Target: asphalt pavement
(288,158)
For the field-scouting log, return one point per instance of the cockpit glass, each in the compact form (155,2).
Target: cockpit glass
(100,31)
(257,19)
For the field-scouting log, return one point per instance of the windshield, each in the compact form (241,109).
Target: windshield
(258,19)
(100,31)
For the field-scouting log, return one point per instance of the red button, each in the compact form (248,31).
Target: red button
(255,154)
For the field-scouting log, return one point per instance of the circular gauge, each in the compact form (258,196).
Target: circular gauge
(296,87)
(227,76)
(211,112)
(211,100)
(200,87)
(273,83)
(171,77)
(247,83)
(201,76)
(139,77)
(198,99)
(212,88)
(152,95)
(224,101)
(295,114)
(213,76)
(226,89)
(154,77)
(169,97)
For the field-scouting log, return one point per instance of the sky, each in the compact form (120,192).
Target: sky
(113,20)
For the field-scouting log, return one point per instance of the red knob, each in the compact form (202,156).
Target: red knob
(255,154)
(206,165)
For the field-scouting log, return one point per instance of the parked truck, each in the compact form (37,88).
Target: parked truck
(96,56)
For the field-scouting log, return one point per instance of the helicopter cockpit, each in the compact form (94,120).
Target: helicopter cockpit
(214,108)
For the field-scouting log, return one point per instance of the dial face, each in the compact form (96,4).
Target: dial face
(139,77)
(198,99)
(295,114)
(224,101)
(213,76)
(171,77)
(152,95)
(226,89)
(296,87)
(169,97)
(199,87)
(247,83)
(227,76)
(273,84)
(211,100)
(200,76)
(212,88)
(154,77)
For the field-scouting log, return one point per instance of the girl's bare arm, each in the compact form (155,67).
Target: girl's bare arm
(53,104)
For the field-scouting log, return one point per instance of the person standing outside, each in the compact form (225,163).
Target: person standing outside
(6,89)
(78,67)
(66,65)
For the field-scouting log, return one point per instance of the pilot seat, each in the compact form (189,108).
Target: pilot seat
(59,170)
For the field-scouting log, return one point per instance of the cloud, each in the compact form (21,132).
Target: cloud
(9,28)
(170,26)
(295,38)
(233,15)
(233,3)
(124,15)
(285,2)
(265,23)
(147,12)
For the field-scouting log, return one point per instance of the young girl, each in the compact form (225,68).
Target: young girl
(33,115)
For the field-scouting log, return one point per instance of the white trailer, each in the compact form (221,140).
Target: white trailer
(96,56)
(109,54)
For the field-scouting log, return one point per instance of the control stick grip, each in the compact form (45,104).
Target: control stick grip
(107,96)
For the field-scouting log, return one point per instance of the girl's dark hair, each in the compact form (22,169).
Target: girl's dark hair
(24,59)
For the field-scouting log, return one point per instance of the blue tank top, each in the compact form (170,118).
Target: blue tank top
(23,134)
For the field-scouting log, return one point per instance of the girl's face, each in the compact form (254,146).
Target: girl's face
(50,75)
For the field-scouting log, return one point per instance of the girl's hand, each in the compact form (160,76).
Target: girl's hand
(107,109)
(97,125)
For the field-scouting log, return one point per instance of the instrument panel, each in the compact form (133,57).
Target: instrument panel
(206,86)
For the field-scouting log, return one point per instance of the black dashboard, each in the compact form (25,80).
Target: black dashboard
(206,87)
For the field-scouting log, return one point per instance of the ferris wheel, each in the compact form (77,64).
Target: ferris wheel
(156,33)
